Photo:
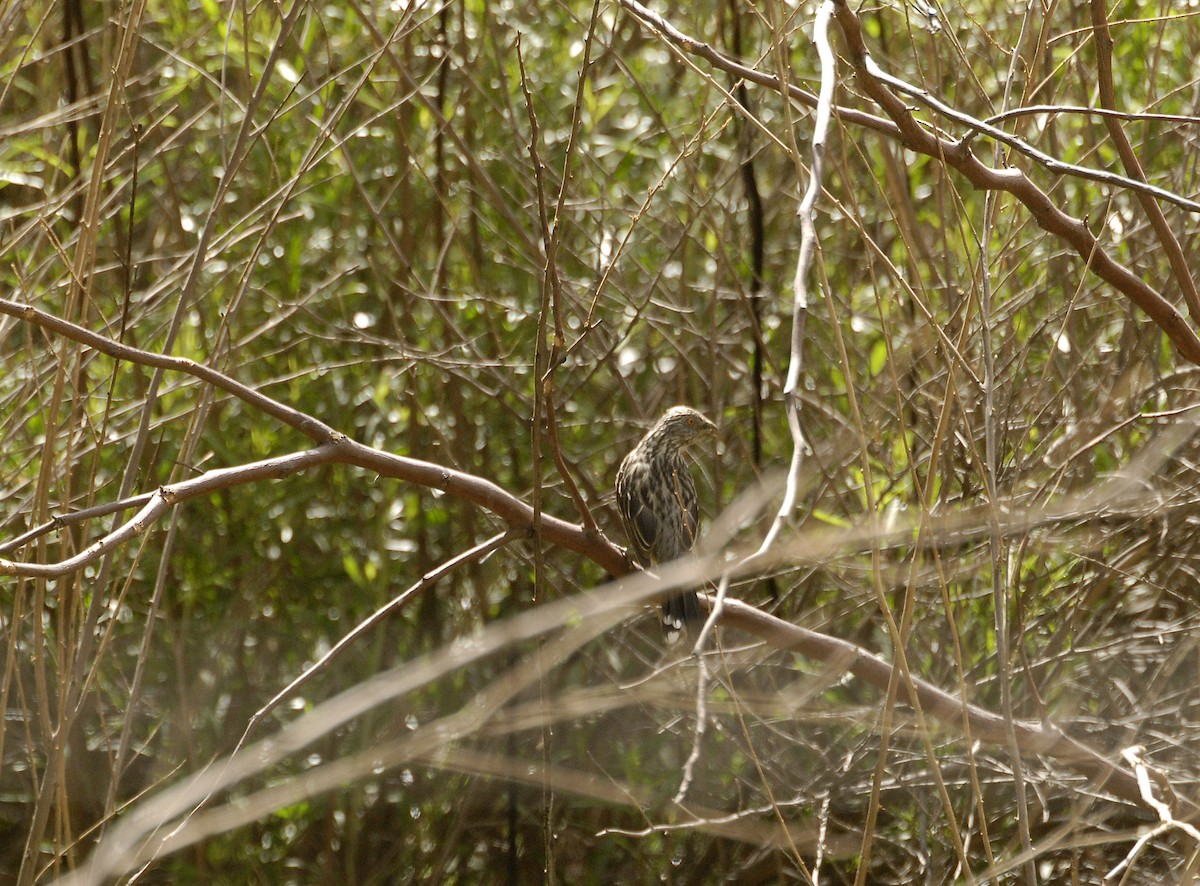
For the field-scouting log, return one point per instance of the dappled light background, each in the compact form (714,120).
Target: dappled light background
(338,205)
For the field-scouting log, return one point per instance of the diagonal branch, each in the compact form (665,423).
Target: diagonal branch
(334,448)
(915,136)
(144,829)
(879,124)
(1048,216)
(1033,739)
(1170,244)
(160,502)
(293,418)
(1138,185)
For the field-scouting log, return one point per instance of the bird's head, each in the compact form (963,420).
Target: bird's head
(682,425)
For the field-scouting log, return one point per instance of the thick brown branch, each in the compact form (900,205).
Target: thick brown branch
(488,495)
(1048,216)
(1033,739)
(335,448)
(461,485)
(878,124)
(1108,98)
(957,155)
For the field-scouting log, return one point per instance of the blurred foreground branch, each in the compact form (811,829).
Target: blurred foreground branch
(600,610)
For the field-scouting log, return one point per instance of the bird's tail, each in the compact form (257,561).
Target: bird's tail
(682,611)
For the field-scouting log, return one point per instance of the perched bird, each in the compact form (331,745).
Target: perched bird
(657,499)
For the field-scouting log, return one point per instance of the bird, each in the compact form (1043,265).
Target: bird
(656,496)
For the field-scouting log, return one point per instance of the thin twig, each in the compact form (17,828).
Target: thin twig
(1167,821)
(1052,164)
(550,235)
(1054,110)
(808,242)
(426,581)
(997,546)
(73,519)
(305,424)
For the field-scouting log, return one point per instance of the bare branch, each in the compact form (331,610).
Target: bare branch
(604,607)
(957,154)
(168,496)
(1048,216)
(1053,110)
(1053,164)
(335,447)
(551,295)
(1032,738)
(1108,98)
(305,424)
(849,115)
(428,580)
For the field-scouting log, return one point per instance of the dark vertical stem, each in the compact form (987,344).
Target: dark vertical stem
(128,253)
(72,22)
(441,174)
(754,217)
(754,207)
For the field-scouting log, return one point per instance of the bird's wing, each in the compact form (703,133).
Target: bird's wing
(684,495)
(641,525)
(691,516)
(644,528)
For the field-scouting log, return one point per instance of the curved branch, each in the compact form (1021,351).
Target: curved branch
(293,418)
(459,484)
(74,518)
(1033,739)
(879,124)
(1048,216)
(957,154)
(717,60)
(167,497)
(1088,110)
(488,495)
(334,448)
(982,127)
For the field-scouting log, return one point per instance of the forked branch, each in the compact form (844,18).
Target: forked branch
(956,153)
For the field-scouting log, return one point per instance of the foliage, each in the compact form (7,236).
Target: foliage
(338,206)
